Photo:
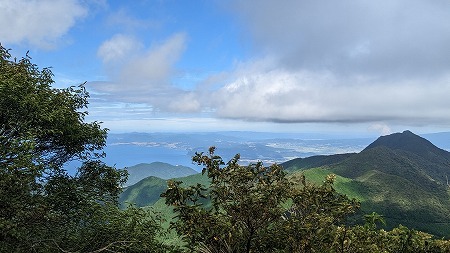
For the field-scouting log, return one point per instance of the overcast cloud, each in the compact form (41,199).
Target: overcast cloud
(343,61)
(388,38)
(306,96)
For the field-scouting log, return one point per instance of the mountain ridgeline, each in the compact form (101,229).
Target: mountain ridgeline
(401,176)
(156,169)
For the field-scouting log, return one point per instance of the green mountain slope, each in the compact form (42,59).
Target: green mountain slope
(143,193)
(410,142)
(392,162)
(156,169)
(314,161)
(430,160)
(347,186)
(401,176)
(147,191)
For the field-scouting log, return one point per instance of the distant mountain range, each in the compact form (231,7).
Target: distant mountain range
(156,169)
(128,149)
(401,176)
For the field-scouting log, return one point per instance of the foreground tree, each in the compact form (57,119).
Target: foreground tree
(244,202)
(316,212)
(43,208)
(253,209)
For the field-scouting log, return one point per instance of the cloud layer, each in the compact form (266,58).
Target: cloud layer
(343,61)
(312,61)
(398,37)
(307,96)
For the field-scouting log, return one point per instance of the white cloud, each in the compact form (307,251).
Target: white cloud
(280,95)
(185,103)
(155,66)
(342,61)
(40,23)
(143,75)
(382,128)
(118,48)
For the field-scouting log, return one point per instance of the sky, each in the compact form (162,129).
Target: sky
(348,66)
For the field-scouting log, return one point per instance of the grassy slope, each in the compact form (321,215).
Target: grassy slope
(343,185)
(406,203)
(314,161)
(383,193)
(147,191)
(143,193)
(399,200)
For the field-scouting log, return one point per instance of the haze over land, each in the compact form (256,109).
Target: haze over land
(128,149)
(344,67)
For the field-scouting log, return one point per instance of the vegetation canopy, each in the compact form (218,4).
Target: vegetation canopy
(43,208)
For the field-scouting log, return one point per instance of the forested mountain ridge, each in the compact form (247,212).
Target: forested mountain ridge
(314,161)
(147,191)
(402,154)
(156,169)
(401,176)
(408,141)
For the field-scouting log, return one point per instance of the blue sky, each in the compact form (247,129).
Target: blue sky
(347,66)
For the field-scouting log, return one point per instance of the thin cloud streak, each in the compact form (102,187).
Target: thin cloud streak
(140,75)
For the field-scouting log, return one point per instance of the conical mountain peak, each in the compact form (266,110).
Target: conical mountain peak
(407,141)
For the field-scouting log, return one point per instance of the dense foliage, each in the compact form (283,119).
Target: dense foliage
(245,201)
(43,208)
(258,209)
